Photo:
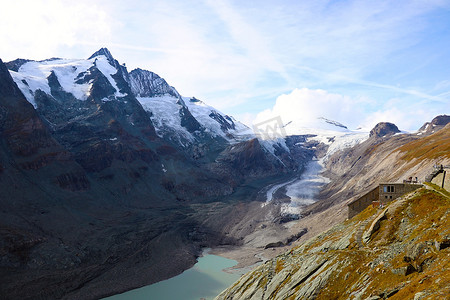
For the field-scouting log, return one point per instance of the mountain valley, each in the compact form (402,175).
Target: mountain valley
(111,180)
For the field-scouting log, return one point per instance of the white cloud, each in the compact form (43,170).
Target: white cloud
(406,114)
(36,29)
(307,105)
(253,41)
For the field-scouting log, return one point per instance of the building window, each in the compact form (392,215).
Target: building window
(388,189)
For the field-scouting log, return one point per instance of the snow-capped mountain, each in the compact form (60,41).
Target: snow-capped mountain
(78,79)
(172,118)
(185,121)
(89,125)
(189,119)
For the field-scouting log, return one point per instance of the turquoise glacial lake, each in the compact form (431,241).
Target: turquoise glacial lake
(205,280)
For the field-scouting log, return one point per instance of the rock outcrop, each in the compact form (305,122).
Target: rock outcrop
(384,129)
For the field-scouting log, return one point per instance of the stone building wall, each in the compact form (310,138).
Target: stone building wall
(358,205)
(442,179)
(383,193)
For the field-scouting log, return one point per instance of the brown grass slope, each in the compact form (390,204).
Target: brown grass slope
(435,146)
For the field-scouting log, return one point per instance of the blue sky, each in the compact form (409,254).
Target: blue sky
(377,60)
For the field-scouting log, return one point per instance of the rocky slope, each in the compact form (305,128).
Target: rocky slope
(400,252)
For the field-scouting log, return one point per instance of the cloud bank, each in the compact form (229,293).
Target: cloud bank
(45,28)
(307,105)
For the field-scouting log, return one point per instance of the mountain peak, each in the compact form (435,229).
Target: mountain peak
(384,129)
(105,52)
(436,124)
(441,120)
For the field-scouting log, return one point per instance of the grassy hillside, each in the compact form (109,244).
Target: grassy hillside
(397,253)
(434,146)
